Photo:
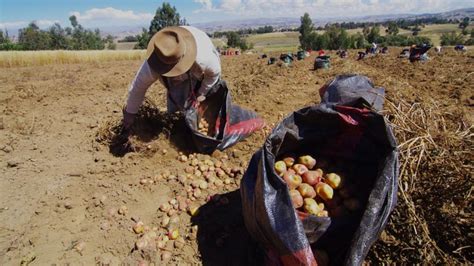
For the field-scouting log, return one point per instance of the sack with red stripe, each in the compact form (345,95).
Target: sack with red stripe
(225,123)
(356,142)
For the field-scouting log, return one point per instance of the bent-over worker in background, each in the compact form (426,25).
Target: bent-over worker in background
(186,63)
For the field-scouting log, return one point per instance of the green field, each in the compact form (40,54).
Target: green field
(125,45)
(269,42)
(288,41)
(435,31)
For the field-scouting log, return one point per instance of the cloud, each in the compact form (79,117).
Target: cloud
(110,15)
(231,5)
(206,4)
(42,23)
(326,8)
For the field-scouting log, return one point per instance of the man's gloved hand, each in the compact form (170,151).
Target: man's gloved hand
(201,98)
(200,108)
(128,119)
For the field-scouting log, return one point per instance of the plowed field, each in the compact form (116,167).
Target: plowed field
(63,180)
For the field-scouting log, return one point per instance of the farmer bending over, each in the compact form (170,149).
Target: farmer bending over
(186,63)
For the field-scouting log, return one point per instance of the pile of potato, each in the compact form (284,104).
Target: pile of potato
(204,128)
(197,179)
(313,191)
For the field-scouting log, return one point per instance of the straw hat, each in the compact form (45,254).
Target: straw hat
(171,51)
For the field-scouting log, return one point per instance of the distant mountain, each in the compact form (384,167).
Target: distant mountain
(295,22)
(454,14)
(247,23)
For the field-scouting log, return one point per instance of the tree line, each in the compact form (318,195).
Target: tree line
(336,37)
(248,31)
(56,37)
(454,38)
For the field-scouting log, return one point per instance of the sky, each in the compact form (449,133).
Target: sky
(116,13)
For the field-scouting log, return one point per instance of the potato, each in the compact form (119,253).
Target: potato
(312,177)
(300,169)
(289,161)
(296,198)
(203,184)
(322,213)
(306,191)
(165,221)
(165,207)
(307,161)
(141,243)
(334,180)
(311,206)
(280,167)
(292,180)
(193,210)
(138,228)
(173,234)
(324,191)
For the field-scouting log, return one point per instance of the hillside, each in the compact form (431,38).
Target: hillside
(295,22)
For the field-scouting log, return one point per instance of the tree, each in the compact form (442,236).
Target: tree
(4,37)
(374,34)
(165,16)
(109,40)
(451,38)
(358,41)
(338,38)
(366,31)
(73,21)
(58,37)
(32,38)
(6,44)
(129,38)
(233,39)
(392,28)
(142,40)
(415,30)
(84,39)
(306,30)
(464,23)
(318,41)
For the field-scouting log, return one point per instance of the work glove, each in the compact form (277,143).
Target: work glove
(199,106)
(128,119)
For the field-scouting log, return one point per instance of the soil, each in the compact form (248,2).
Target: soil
(63,176)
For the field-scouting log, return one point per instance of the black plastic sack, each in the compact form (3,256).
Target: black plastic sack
(359,144)
(230,122)
(417,52)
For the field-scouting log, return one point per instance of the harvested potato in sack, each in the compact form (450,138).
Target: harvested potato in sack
(217,123)
(323,185)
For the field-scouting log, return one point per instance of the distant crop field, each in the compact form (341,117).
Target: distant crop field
(287,41)
(126,45)
(219,42)
(274,41)
(35,58)
(435,31)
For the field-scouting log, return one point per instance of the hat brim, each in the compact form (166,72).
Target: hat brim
(173,70)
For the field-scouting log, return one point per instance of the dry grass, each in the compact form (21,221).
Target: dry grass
(35,58)
(435,156)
